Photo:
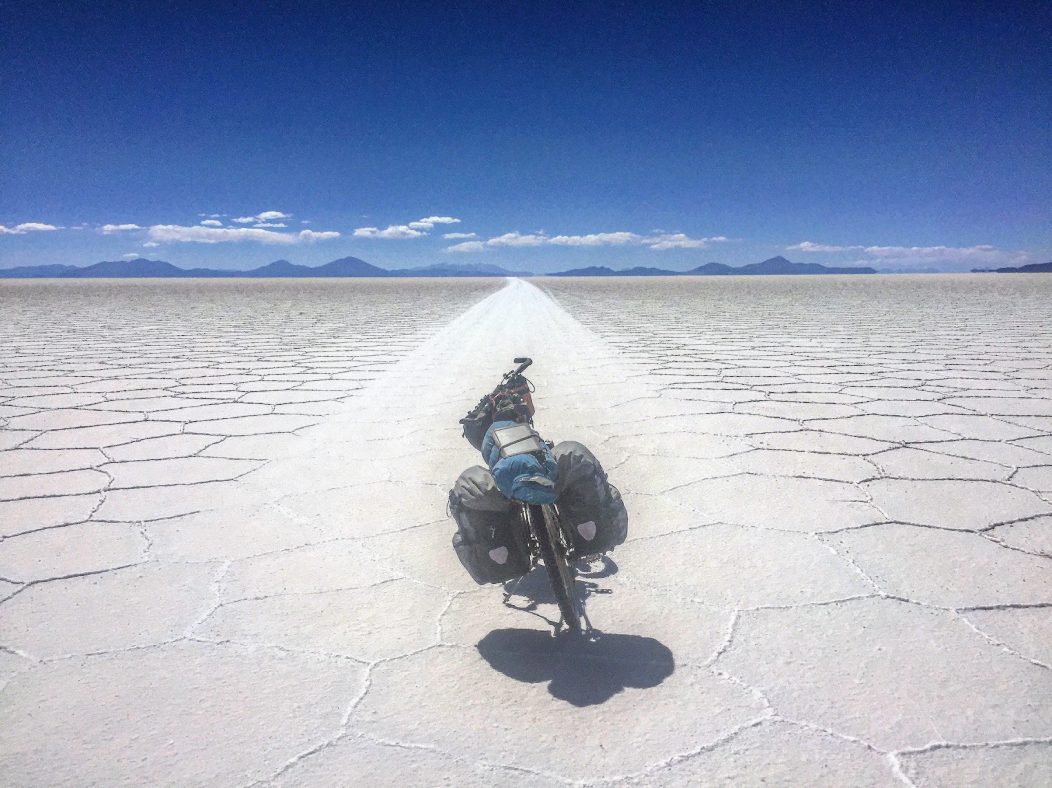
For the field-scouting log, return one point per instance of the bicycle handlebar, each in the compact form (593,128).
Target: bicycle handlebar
(523,362)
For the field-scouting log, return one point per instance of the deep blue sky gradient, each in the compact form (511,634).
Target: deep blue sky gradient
(849,124)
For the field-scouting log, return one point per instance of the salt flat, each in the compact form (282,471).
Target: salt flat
(226,560)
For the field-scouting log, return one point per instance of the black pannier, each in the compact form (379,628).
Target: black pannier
(588,503)
(490,540)
(475,425)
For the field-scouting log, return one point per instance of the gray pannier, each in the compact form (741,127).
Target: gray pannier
(590,505)
(490,540)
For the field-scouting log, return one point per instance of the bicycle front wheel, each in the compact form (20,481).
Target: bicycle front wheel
(546,530)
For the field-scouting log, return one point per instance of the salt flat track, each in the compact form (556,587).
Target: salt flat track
(226,557)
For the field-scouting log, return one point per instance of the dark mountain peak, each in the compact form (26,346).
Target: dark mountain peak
(592,270)
(139,267)
(712,269)
(348,266)
(346,261)
(278,268)
(641,270)
(1031,268)
(779,265)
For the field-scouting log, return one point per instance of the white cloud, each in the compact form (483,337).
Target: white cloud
(467,246)
(595,239)
(810,246)
(980,255)
(681,241)
(392,231)
(263,216)
(214,235)
(35,227)
(618,238)
(429,222)
(211,223)
(923,256)
(451,236)
(27,227)
(151,244)
(110,229)
(311,235)
(268,224)
(130,255)
(410,230)
(518,239)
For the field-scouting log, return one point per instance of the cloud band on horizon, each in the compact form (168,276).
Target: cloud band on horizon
(168,233)
(914,256)
(657,241)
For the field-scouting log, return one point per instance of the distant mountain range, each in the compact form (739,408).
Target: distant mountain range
(1033,268)
(143,268)
(602,270)
(772,266)
(353,267)
(344,267)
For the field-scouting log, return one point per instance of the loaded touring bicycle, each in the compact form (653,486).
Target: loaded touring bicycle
(535,502)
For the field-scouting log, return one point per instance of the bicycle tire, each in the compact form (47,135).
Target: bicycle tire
(561,575)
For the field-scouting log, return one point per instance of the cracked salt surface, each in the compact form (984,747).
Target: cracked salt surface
(224,554)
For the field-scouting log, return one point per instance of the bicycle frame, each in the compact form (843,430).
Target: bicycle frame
(549,543)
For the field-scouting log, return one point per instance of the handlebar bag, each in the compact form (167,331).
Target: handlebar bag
(591,506)
(491,539)
(521,463)
(510,401)
(517,388)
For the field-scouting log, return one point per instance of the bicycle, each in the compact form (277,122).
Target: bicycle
(545,531)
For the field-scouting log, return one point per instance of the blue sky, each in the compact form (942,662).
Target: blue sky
(899,135)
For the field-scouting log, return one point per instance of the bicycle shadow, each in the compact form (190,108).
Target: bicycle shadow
(584,670)
(536,588)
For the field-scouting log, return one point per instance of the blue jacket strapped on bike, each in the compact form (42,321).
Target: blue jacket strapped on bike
(528,477)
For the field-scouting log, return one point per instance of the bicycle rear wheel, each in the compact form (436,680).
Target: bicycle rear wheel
(546,530)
